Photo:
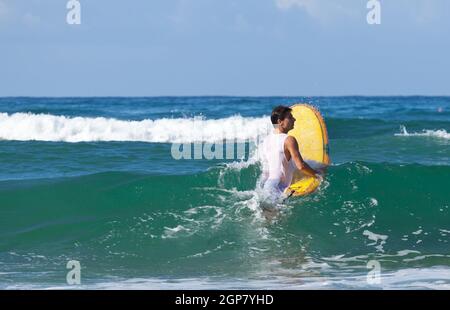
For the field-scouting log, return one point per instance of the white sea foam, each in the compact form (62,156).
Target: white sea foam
(46,127)
(442,133)
(376,237)
(411,278)
(174,232)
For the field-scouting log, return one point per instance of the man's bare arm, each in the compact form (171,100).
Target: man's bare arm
(292,147)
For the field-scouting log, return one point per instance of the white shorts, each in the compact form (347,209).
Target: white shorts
(274,188)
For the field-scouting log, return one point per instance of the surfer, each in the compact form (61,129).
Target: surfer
(281,155)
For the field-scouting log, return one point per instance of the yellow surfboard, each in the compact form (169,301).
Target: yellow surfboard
(311,134)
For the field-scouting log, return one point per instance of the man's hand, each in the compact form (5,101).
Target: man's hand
(321,170)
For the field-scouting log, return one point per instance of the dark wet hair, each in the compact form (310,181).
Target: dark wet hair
(279,113)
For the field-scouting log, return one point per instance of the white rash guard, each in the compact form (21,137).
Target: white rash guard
(278,171)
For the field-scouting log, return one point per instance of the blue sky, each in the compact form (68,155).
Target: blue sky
(224,47)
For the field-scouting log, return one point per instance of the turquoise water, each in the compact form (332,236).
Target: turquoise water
(94,180)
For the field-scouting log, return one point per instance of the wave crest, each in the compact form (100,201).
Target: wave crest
(47,127)
(442,133)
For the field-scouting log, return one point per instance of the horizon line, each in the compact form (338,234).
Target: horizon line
(220,96)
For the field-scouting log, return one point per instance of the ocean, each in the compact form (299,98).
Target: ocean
(95,180)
